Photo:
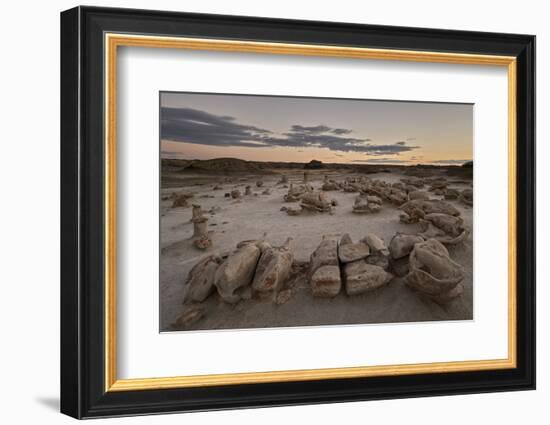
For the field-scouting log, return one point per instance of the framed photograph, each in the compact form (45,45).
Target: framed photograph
(261,212)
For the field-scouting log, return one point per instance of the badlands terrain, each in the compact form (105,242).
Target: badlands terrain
(277,244)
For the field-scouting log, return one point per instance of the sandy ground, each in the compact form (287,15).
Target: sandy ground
(232,221)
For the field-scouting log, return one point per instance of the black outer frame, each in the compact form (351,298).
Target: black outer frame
(82,219)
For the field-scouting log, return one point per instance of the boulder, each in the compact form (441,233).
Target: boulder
(379,253)
(419,194)
(316,201)
(237,271)
(431,270)
(235,194)
(329,185)
(345,239)
(361,277)
(326,254)
(396,196)
(451,194)
(273,269)
(375,244)
(467,197)
(293,211)
(325,281)
(451,225)
(438,184)
(363,205)
(353,251)
(200,280)
(401,244)
(445,228)
(295,192)
(419,207)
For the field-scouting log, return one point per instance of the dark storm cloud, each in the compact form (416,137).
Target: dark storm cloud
(310,130)
(200,127)
(340,131)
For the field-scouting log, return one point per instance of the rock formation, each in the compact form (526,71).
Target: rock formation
(295,192)
(236,272)
(362,277)
(273,269)
(400,247)
(329,185)
(467,197)
(365,204)
(415,210)
(200,280)
(351,252)
(200,236)
(379,253)
(445,228)
(324,272)
(433,273)
(316,201)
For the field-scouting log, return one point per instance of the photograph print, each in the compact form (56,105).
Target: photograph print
(279,211)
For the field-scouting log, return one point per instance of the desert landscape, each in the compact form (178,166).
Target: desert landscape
(256,244)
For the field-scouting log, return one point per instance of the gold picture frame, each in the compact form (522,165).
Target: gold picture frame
(114,41)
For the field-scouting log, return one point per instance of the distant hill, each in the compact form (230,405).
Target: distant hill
(227,166)
(210,165)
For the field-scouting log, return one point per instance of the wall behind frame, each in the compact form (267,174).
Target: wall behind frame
(29,219)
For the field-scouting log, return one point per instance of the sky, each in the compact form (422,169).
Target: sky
(299,129)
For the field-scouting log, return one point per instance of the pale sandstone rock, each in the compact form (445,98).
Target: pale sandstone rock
(352,252)
(345,239)
(316,201)
(326,282)
(431,269)
(401,245)
(200,280)
(361,277)
(326,254)
(419,194)
(236,271)
(273,269)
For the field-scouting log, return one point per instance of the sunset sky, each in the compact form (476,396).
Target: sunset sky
(295,129)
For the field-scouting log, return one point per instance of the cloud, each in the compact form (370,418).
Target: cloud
(340,131)
(201,127)
(311,130)
(401,143)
